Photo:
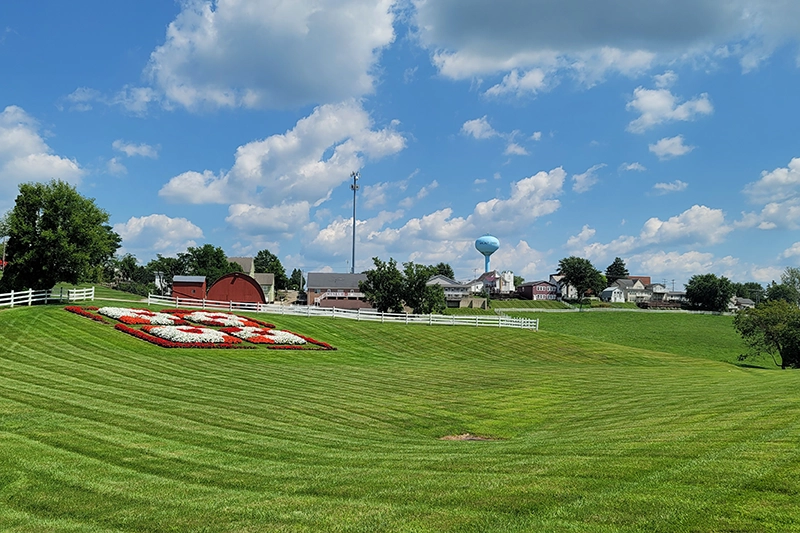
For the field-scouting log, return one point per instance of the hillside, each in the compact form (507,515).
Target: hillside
(103,432)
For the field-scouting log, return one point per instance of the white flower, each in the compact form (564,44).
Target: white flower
(277,336)
(150,317)
(188,334)
(217,319)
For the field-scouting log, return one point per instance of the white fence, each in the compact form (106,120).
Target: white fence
(31,297)
(367,315)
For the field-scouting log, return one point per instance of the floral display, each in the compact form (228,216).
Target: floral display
(164,343)
(170,329)
(265,335)
(222,320)
(140,316)
(190,334)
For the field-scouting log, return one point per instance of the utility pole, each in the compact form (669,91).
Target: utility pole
(354,187)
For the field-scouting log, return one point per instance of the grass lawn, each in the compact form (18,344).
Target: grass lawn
(101,292)
(100,431)
(532,304)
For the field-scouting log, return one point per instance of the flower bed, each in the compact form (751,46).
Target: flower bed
(164,343)
(222,320)
(85,312)
(184,334)
(141,316)
(265,335)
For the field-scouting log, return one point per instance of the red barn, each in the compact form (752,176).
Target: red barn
(236,287)
(189,287)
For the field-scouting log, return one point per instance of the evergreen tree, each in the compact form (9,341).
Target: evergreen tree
(616,270)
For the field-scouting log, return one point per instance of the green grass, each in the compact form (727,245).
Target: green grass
(532,304)
(102,432)
(101,292)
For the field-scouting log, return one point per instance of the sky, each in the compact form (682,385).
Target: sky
(664,133)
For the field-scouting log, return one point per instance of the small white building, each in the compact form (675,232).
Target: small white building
(613,294)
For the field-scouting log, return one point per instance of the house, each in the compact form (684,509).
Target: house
(454,291)
(538,290)
(237,287)
(737,303)
(189,287)
(644,279)
(494,282)
(633,289)
(565,290)
(248,264)
(658,292)
(613,294)
(267,283)
(327,289)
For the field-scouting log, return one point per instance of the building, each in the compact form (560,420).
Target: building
(498,283)
(658,292)
(267,283)
(454,291)
(633,289)
(565,290)
(326,289)
(189,287)
(613,294)
(248,264)
(538,290)
(236,287)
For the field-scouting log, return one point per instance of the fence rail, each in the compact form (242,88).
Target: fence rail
(366,315)
(30,297)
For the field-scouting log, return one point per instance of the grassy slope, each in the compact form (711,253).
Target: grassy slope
(102,432)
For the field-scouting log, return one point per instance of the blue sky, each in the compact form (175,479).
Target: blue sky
(665,133)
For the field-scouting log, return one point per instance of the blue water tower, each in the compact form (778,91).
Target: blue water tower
(487,245)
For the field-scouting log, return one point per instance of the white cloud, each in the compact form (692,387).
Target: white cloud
(25,156)
(157,234)
(515,149)
(537,136)
(521,259)
(628,167)
(302,165)
(233,53)
(131,149)
(532,82)
(583,182)
(590,39)
(479,128)
(674,186)
(774,215)
(665,80)
(422,193)
(792,251)
(115,167)
(657,106)
(766,274)
(670,147)
(81,99)
(480,181)
(683,264)
(781,183)
(285,218)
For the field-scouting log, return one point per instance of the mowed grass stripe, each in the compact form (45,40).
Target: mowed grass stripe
(599,437)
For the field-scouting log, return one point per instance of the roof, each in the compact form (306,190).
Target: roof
(444,281)
(612,289)
(264,278)
(247,263)
(331,280)
(189,279)
(644,279)
(625,283)
(529,283)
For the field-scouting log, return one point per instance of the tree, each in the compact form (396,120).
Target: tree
(616,270)
(709,292)
(783,291)
(751,289)
(581,274)
(296,281)
(267,262)
(518,280)
(417,294)
(791,276)
(55,234)
(166,268)
(444,269)
(207,260)
(384,286)
(772,327)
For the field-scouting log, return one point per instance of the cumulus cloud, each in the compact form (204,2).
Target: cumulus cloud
(25,156)
(792,251)
(114,166)
(589,39)
(670,147)
(628,167)
(776,185)
(583,182)
(665,80)
(674,186)
(284,219)
(302,165)
(657,106)
(697,225)
(479,128)
(131,149)
(514,83)
(157,234)
(685,264)
(515,149)
(229,53)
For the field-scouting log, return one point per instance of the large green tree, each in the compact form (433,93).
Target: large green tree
(166,268)
(783,291)
(417,294)
(444,269)
(750,289)
(296,281)
(207,260)
(267,262)
(55,235)
(616,270)
(774,328)
(384,286)
(708,292)
(581,274)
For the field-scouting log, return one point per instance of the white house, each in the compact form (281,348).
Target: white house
(613,294)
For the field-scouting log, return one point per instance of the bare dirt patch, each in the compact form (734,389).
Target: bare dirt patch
(467,436)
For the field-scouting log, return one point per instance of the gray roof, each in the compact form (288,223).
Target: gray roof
(189,279)
(330,280)
(612,288)
(625,283)
(529,283)
(247,263)
(444,281)
(264,279)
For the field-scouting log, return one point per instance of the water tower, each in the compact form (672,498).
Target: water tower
(487,245)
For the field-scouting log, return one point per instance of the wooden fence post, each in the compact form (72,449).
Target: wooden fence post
(12,299)
(30,297)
